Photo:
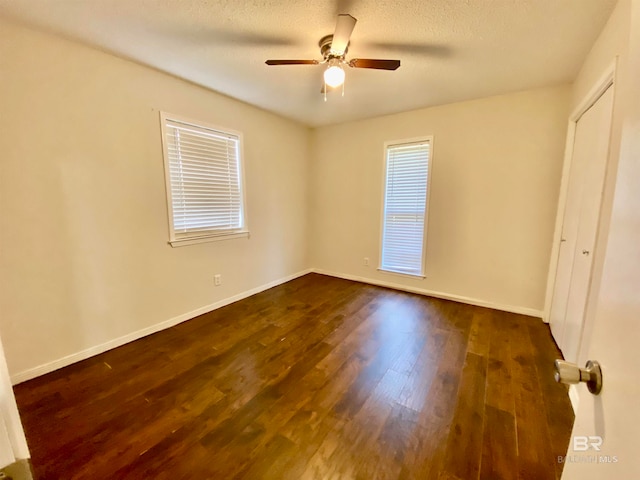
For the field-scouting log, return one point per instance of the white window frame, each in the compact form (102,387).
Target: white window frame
(212,236)
(425,139)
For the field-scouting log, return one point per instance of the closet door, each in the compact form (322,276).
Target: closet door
(581,219)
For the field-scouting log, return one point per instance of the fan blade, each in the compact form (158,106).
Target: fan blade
(377,64)
(342,34)
(291,62)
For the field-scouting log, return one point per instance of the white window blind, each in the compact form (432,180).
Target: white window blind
(405,203)
(204,185)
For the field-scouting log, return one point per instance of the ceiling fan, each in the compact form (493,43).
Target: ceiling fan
(333,49)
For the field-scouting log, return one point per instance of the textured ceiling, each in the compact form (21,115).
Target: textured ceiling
(451,50)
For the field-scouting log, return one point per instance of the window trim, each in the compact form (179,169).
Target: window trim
(392,143)
(202,237)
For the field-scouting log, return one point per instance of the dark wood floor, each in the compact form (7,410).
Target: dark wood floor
(319,378)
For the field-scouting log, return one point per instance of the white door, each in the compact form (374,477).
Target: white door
(613,337)
(13,445)
(6,450)
(614,415)
(580,226)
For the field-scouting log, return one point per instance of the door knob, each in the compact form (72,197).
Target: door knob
(585,252)
(570,373)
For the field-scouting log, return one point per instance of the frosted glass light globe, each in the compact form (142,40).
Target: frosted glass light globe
(334,76)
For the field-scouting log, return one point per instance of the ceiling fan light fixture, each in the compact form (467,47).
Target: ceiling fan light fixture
(334,74)
(333,49)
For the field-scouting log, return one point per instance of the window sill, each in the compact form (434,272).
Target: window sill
(402,274)
(181,242)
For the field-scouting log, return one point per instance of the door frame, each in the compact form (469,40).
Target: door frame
(10,424)
(606,80)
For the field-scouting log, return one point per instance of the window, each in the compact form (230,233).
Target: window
(404,215)
(203,171)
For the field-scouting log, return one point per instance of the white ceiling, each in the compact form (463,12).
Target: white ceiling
(451,50)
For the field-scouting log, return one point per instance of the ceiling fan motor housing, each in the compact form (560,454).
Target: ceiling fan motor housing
(325,48)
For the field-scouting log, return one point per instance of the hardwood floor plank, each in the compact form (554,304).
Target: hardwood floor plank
(317,378)
(499,453)
(271,465)
(426,453)
(535,458)
(424,370)
(464,447)
(359,433)
(394,442)
(480,333)
(559,413)
(170,454)
(499,392)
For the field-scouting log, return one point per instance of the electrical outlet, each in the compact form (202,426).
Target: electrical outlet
(217,280)
(366,261)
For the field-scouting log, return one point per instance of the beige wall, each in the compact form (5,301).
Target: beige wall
(496,174)
(611,43)
(83,239)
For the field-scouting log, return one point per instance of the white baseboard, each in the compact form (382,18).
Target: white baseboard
(130,337)
(430,293)
(117,342)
